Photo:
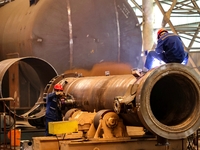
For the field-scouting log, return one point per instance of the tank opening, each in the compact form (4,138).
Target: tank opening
(173,99)
(22,80)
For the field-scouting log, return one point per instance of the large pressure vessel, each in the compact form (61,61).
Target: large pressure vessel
(165,100)
(71,33)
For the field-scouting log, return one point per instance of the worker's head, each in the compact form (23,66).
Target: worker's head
(160,32)
(58,87)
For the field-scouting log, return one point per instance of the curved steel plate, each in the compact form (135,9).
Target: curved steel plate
(71,33)
(44,71)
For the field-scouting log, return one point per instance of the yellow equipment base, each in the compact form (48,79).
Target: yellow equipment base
(52,143)
(62,127)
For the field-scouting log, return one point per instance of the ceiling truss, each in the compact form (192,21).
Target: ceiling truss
(180,9)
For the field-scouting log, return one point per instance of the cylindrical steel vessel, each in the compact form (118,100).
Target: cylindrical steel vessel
(165,100)
(78,33)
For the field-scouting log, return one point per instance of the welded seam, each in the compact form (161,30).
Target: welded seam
(70,35)
(118,31)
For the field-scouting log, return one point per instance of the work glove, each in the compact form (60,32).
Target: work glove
(59,93)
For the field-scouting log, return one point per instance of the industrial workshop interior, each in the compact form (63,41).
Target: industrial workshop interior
(74,75)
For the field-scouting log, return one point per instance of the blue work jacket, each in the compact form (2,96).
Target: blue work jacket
(172,47)
(52,110)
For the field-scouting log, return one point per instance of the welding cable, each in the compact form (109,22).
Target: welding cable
(58,142)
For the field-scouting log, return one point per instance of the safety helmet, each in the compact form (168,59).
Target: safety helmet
(58,87)
(160,31)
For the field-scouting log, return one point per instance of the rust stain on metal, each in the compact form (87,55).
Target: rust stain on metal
(101,68)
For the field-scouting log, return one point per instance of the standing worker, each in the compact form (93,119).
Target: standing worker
(53,111)
(169,50)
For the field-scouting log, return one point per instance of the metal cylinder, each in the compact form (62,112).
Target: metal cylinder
(37,71)
(165,100)
(168,101)
(71,31)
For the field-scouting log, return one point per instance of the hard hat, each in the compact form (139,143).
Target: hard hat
(58,87)
(160,31)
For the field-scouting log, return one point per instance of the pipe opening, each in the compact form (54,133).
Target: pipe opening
(24,79)
(21,79)
(173,99)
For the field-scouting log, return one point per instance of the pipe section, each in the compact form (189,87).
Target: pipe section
(165,100)
(35,70)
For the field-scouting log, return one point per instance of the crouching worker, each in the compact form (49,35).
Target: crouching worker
(169,50)
(53,111)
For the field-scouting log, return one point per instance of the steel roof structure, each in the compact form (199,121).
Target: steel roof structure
(181,17)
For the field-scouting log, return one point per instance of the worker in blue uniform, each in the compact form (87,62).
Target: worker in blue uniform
(53,111)
(169,50)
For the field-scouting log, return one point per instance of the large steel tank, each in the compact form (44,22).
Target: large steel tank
(71,33)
